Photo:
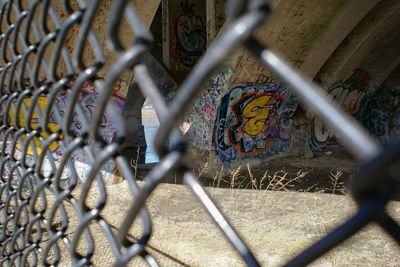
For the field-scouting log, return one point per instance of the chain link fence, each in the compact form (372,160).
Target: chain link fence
(36,227)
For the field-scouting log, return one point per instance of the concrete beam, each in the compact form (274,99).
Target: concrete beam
(393,80)
(367,45)
(293,30)
(379,54)
(344,22)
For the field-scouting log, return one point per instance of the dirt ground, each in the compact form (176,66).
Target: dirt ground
(305,198)
(276,225)
(323,173)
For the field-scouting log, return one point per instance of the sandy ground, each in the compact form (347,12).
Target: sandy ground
(276,225)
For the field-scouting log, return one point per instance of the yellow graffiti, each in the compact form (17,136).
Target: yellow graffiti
(34,124)
(256,112)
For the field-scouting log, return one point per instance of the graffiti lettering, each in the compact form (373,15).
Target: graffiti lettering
(349,100)
(257,113)
(34,124)
(351,95)
(253,121)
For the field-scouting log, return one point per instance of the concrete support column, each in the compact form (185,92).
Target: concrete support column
(135,149)
(215,18)
(184,35)
(165,33)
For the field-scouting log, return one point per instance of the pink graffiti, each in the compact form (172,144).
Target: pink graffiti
(208,112)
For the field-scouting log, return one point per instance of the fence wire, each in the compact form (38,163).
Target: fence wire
(35,225)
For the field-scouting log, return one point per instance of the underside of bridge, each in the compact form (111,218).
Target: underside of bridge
(74,135)
(245,114)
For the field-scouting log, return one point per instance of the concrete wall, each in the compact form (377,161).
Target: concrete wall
(245,114)
(350,48)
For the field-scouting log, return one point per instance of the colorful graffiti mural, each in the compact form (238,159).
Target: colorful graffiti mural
(34,124)
(199,120)
(352,96)
(87,99)
(382,116)
(253,121)
(189,39)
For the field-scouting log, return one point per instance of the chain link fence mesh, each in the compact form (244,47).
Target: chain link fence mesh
(49,210)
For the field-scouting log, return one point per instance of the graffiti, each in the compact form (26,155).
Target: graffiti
(250,69)
(199,120)
(253,121)
(87,99)
(256,112)
(208,111)
(351,96)
(253,125)
(349,100)
(188,43)
(382,116)
(161,77)
(300,135)
(34,124)
(212,94)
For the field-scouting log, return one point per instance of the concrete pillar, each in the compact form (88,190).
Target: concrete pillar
(184,36)
(135,149)
(165,33)
(215,18)
(370,46)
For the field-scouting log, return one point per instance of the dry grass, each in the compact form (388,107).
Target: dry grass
(248,177)
(277,224)
(318,222)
